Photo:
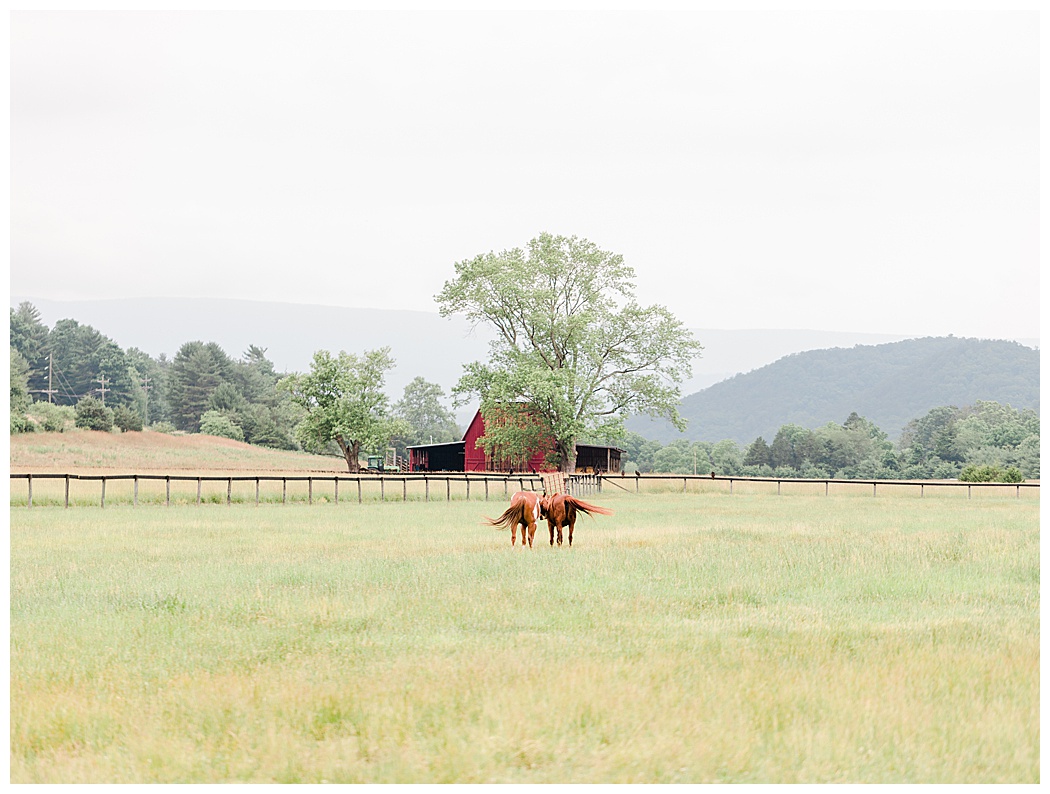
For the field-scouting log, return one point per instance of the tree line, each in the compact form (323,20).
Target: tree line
(203,389)
(983,442)
(73,374)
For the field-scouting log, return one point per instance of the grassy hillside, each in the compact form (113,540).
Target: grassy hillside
(90,450)
(889,384)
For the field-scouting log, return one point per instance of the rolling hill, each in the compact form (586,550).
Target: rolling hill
(890,384)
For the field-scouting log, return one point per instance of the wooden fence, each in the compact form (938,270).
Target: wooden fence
(438,486)
(625,482)
(431,484)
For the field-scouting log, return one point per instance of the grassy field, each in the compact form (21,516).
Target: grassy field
(687,638)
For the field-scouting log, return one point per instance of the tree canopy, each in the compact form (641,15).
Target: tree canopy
(343,401)
(573,344)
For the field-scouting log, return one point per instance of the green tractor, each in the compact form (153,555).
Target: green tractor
(384,463)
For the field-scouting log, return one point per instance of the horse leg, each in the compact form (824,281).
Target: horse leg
(532,533)
(559,533)
(513,533)
(524,534)
(571,525)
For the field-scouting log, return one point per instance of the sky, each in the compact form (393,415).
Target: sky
(873,172)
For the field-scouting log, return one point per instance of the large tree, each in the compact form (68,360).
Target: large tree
(573,346)
(197,370)
(344,402)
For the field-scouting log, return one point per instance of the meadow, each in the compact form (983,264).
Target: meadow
(689,638)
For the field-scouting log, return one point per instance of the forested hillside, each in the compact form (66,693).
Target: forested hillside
(890,385)
(923,408)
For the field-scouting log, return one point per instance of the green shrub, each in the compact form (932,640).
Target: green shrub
(126,419)
(990,473)
(93,415)
(214,423)
(53,418)
(1013,475)
(20,423)
(163,427)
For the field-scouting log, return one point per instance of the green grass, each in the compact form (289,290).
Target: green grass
(687,638)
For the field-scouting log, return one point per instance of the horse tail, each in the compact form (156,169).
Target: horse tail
(584,507)
(512,516)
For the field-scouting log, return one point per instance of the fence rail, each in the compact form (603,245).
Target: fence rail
(529,482)
(826,482)
(576,484)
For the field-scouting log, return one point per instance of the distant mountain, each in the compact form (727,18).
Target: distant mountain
(890,384)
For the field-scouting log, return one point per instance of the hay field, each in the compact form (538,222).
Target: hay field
(687,638)
(91,451)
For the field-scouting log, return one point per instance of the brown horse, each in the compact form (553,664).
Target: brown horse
(525,510)
(561,511)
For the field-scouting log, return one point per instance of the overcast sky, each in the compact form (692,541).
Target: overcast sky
(869,172)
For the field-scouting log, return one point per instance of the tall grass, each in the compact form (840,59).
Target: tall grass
(687,638)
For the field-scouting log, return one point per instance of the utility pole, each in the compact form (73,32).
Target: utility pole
(145,388)
(49,391)
(102,379)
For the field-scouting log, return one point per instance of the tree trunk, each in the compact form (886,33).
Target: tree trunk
(567,452)
(351,453)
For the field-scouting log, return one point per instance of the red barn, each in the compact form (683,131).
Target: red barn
(475,459)
(466,455)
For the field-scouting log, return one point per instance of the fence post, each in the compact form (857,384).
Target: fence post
(167,491)
(284,490)
(198,492)
(256,491)
(309,490)
(229,491)
(404,489)
(30,503)
(486,487)
(730,486)
(778,487)
(135,498)
(827,484)
(921,488)
(448,489)
(382,488)
(336,489)
(426,486)
(685,482)
(874,485)
(359,489)
(468,486)
(103,492)
(67,491)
